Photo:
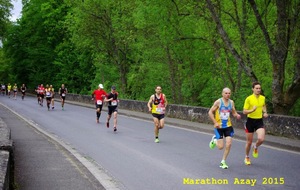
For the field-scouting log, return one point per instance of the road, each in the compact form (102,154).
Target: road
(182,160)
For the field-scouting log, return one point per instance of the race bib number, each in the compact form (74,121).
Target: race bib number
(63,94)
(159,110)
(99,102)
(114,103)
(48,94)
(224,115)
(23,90)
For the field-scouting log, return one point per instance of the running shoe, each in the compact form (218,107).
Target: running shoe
(156,140)
(107,124)
(115,129)
(212,143)
(247,161)
(255,152)
(223,165)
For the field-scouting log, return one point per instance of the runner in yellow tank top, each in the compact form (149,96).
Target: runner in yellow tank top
(15,89)
(52,98)
(8,89)
(157,105)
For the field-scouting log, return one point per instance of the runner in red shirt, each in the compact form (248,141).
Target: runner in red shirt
(41,91)
(99,95)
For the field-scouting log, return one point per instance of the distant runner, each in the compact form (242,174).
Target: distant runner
(62,93)
(23,91)
(15,89)
(38,93)
(52,97)
(3,89)
(48,93)
(112,99)
(99,95)
(41,94)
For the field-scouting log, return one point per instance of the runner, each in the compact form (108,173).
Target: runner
(62,93)
(255,109)
(112,99)
(52,97)
(48,93)
(23,90)
(157,105)
(15,89)
(37,90)
(219,113)
(98,95)
(41,94)
(3,89)
(8,89)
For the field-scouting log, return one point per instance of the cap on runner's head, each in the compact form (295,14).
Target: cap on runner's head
(101,86)
(113,88)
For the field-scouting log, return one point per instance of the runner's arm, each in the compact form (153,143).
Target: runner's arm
(166,101)
(265,114)
(150,102)
(212,110)
(234,112)
(93,94)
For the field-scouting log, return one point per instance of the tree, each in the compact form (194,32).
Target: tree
(32,42)
(5,7)
(282,43)
(191,48)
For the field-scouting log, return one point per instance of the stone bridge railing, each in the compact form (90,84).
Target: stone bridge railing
(279,125)
(6,158)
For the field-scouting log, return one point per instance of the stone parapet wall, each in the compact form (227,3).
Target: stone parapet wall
(275,124)
(6,158)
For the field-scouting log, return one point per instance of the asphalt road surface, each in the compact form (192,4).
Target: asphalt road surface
(129,158)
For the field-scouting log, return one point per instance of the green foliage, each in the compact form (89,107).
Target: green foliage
(4,68)
(139,44)
(5,7)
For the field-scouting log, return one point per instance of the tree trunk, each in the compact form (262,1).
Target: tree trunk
(228,42)
(286,24)
(282,101)
(173,73)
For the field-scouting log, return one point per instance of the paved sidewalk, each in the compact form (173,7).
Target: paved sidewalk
(42,163)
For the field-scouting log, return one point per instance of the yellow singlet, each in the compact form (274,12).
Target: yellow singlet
(259,102)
